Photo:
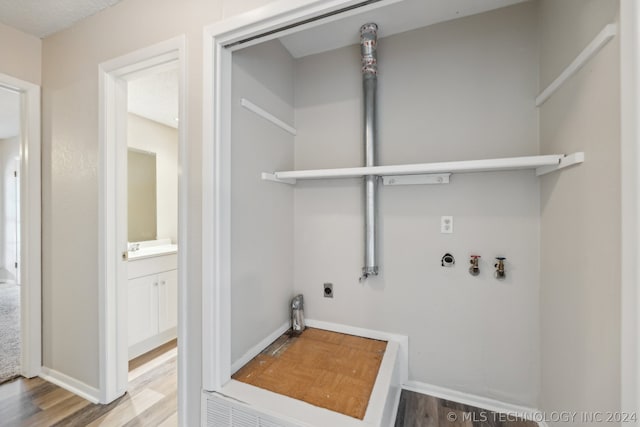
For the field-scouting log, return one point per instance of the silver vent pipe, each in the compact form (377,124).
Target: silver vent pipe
(368,41)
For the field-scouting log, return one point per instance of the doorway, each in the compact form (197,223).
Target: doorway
(20,225)
(139,295)
(152,223)
(10,339)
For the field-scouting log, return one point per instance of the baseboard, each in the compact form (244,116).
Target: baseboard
(256,349)
(70,384)
(474,400)
(138,349)
(402,340)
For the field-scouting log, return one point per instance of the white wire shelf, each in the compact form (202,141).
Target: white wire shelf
(542,164)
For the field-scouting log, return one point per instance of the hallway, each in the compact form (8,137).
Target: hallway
(150,401)
(9,331)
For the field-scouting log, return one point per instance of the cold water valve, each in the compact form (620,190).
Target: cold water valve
(474,270)
(499,265)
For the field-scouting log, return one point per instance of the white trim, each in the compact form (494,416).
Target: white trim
(474,400)
(267,116)
(607,33)
(30,230)
(630,192)
(138,349)
(257,349)
(83,390)
(396,405)
(386,387)
(216,215)
(112,315)
(402,340)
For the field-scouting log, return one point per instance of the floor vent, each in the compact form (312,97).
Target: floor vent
(223,412)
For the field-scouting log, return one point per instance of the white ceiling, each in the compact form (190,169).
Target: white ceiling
(391,19)
(155,97)
(45,17)
(9,113)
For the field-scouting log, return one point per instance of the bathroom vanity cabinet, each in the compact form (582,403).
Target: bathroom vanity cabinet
(152,303)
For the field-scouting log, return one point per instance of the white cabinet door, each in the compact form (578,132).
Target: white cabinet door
(143,308)
(168,300)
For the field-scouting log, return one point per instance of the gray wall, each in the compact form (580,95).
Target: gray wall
(580,214)
(261,211)
(454,91)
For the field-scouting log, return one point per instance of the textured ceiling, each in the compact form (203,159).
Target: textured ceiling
(45,17)
(9,113)
(155,97)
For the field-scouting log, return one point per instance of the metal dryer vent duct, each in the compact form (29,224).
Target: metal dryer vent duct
(368,41)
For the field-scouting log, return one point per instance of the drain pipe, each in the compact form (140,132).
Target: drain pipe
(368,41)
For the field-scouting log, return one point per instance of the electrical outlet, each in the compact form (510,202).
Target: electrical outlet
(328,290)
(446,224)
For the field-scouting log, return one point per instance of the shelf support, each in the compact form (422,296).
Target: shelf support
(272,177)
(267,116)
(566,161)
(433,178)
(607,33)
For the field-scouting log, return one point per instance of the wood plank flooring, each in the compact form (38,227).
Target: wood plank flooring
(326,369)
(151,399)
(420,410)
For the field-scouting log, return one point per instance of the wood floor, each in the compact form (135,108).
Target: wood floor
(326,369)
(420,410)
(151,399)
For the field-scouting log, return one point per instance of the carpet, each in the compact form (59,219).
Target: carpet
(9,332)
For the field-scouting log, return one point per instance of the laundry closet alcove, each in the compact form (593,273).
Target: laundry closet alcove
(457,88)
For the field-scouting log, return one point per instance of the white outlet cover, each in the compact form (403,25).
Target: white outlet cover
(446,224)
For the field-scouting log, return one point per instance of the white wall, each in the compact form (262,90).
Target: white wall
(261,211)
(454,91)
(580,214)
(147,135)
(9,202)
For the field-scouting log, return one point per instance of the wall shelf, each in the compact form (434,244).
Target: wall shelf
(542,164)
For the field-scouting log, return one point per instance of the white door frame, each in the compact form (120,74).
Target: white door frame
(216,160)
(630,226)
(30,225)
(113,345)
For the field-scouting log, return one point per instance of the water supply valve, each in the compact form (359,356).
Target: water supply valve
(474,270)
(499,265)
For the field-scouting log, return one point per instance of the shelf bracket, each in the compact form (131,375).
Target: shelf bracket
(267,116)
(272,177)
(433,178)
(566,161)
(607,33)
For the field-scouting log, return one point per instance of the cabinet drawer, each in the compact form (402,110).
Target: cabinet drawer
(153,265)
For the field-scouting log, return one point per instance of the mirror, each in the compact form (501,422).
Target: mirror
(141,195)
